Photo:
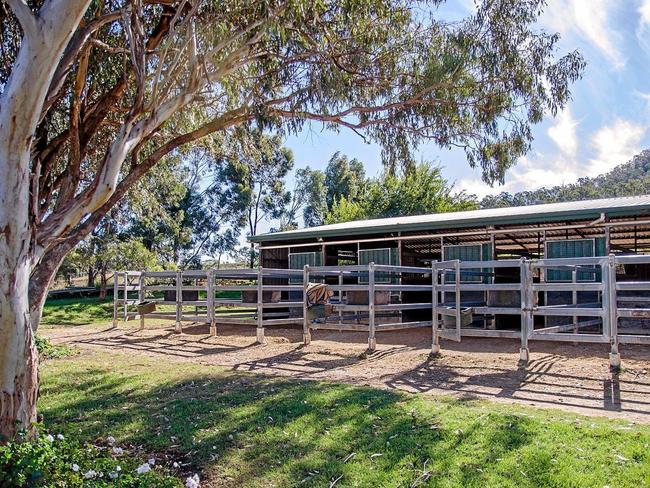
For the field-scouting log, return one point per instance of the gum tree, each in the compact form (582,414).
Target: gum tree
(94,94)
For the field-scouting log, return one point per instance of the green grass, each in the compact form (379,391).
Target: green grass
(250,430)
(92,310)
(77,311)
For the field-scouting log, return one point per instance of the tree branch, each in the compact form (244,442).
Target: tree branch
(25,16)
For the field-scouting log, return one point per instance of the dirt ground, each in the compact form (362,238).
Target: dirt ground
(559,375)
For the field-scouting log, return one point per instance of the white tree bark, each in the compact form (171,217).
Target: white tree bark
(45,38)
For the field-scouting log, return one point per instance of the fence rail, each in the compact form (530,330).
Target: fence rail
(559,299)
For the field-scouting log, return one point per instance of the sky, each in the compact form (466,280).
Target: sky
(604,125)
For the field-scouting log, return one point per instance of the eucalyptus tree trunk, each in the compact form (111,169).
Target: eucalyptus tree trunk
(18,358)
(45,37)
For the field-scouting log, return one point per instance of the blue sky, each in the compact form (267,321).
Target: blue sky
(605,124)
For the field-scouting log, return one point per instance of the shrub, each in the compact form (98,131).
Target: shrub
(55,461)
(47,350)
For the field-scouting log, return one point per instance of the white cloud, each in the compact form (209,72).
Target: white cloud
(643,29)
(563,133)
(611,145)
(588,19)
(615,144)
(644,11)
(530,173)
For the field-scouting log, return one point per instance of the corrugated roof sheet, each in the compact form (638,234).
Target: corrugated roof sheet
(550,212)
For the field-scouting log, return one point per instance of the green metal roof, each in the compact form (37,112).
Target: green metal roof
(550,212)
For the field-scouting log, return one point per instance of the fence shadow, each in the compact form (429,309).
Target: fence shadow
(559,375)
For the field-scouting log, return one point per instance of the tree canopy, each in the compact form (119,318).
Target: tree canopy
(94,94)
(421,191)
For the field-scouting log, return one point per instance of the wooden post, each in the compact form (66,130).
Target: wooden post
(526,308)
(614,355)
(306,331)
(179,302)
(210,300)
(574,299)
(372,341)
(141,297)
(116,296)
(435,342)
(126,296)
(340,297)
(260,306)
(459,318)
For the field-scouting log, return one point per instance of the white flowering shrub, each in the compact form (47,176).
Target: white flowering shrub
(55,460)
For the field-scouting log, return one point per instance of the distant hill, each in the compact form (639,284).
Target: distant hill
(631,178)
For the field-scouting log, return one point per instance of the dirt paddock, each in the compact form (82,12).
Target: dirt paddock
(558,375)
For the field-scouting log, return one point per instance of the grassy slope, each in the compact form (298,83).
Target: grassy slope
(248,430)
(91,310)
(77,311)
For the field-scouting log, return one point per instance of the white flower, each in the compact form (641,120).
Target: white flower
(110,439)
(112,475)
(49,437)
(90,474)
(118,468)
(176,465)
(193,482)
(144,468)
(60,437)
(152,461)
(75,468)
(118,451)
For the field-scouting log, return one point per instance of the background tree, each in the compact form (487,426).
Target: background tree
(87,108)
(252,172)
(313,191)
(318,191)
(421,191)
(343,177)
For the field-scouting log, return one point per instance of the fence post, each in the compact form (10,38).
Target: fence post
(116,296)
(126,296)
(614,355)
(372,341)
(605,294)
(179,301)
(210,300)
(574,298)
(306,331)
(141,298)
(457,293)
(260,306)
(340,297)
(435,339)
(526,307)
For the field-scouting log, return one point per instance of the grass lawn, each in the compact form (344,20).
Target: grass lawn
(251,430)
(77,311)
(91,310)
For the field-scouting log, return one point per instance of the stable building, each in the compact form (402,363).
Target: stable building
(556,230)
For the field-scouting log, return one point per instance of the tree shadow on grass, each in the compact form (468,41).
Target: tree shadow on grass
(245,430)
